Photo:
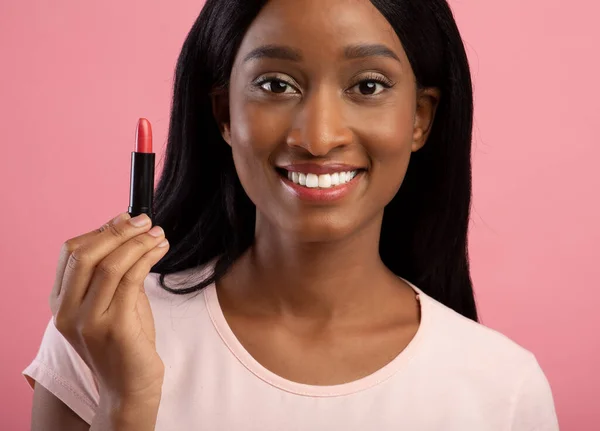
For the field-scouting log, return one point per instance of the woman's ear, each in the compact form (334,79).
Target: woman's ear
(427,103)
(220,108)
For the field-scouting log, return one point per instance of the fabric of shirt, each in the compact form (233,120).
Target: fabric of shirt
(454,375)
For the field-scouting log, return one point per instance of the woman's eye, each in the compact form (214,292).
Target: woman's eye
(276,86)
(371,87)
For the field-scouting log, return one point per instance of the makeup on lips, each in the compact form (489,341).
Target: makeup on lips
(314,182)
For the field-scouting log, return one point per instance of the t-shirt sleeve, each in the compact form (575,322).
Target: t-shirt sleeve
(60,369)
(534,404)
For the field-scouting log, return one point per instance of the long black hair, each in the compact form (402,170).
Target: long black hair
(206,214)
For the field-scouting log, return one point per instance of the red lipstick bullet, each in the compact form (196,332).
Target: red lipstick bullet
(141,190)
(143,136)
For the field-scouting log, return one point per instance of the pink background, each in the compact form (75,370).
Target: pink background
(77,75)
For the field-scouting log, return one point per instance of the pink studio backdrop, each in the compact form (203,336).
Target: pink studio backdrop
(77,75)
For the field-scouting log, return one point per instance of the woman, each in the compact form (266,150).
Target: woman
(318,165)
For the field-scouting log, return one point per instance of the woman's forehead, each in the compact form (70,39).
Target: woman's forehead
(320,25)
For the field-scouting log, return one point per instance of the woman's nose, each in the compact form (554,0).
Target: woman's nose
(320,125)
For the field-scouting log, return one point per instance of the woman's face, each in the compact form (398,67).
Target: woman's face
(322,116)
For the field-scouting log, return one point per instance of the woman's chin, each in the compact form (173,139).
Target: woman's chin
(309,227)
(319,231)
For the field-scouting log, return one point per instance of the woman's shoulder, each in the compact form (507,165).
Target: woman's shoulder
(469,342)
(457,352)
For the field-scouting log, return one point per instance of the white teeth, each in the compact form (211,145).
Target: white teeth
(335,179)
(312,181)
(302,180)
(324,181)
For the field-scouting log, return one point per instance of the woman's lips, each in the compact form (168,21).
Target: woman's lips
(332,193)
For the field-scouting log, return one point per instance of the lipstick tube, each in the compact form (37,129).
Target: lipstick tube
(141,189)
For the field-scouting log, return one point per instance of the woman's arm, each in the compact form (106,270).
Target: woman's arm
(51,414)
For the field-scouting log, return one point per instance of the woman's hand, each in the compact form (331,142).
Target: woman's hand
(100,307)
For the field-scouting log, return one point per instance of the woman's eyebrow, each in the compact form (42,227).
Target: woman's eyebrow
(283,52)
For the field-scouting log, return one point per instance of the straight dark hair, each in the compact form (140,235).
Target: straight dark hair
(207,216)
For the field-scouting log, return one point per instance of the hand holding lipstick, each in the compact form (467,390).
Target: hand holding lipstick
(100,306)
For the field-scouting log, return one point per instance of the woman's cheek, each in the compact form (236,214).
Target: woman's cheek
(390,149)
(252,145)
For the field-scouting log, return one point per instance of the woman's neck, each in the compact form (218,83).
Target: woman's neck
(313,280)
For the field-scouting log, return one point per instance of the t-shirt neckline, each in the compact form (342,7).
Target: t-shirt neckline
(247,360)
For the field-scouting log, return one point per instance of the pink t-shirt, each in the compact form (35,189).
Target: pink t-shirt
(455,375)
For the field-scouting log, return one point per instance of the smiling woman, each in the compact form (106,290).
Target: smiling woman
(316,196)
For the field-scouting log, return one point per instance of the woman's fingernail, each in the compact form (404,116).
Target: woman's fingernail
(163,244)
(156,231)
(117,219)
(139,221)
